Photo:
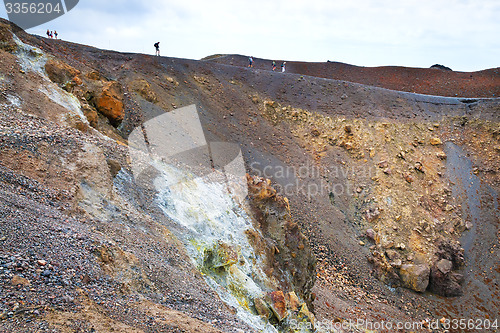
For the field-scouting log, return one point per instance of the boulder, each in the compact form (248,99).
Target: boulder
(383,270)
(315,132)
(114,167)
(109,102)
(441,67)
(278,304)
(409,177)
(445,284)
(383,164)
(443,279)
(444,265)
(372,214)
(415,277)
(392,255)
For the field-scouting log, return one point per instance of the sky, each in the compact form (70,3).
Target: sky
(461,34)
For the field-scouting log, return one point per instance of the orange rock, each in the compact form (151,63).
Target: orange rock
(278,304)
(77,81)
(294,301)
(435,141)
(109,102)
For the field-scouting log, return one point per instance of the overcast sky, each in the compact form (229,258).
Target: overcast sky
(461,34)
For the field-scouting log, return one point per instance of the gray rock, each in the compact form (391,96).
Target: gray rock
(444,265)
(371,234)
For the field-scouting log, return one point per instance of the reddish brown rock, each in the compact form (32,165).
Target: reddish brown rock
(281,240)
(109,102)
(278,304)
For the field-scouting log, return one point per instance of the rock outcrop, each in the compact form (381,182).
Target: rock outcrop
(441,67)
(289,256)
(143,88)
(7,42)
(109,102)
(283,309)
(62,74)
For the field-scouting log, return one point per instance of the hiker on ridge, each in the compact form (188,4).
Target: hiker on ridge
(157,47)
(274,65)
(48,33)
(250,62)
(55,34)
(283,66)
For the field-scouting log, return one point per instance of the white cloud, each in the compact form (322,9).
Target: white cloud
(461,34)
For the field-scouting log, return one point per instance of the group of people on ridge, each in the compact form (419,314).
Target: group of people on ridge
(250,59)
(250,64)
(51,34)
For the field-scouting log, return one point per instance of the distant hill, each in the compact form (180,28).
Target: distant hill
(428,81)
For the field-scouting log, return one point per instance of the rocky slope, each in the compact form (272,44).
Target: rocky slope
(380,202)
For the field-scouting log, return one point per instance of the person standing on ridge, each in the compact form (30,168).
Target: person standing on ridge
(283,66)
(55,34)
(48,33)
(157,47)
(250,62)
(274,65)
